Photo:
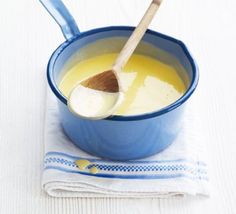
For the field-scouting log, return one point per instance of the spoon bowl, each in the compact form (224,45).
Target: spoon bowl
(101,103)
(96,97)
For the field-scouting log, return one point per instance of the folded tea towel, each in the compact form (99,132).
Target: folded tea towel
(179,170)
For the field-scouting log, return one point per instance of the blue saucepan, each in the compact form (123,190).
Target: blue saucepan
(117,137)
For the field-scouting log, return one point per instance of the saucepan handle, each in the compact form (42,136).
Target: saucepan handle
(62,16)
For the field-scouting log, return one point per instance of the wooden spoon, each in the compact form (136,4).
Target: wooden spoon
(108,81)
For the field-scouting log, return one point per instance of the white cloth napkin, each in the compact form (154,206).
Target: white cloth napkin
(179,170)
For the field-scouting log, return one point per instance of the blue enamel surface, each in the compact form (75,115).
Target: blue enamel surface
(62,16)
(122,140)
(123,137)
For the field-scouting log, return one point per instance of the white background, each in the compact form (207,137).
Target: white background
(27,38)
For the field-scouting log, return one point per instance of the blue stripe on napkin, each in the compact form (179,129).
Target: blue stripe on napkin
(164,169)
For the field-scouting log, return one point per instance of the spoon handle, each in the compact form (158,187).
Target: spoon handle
(136,36)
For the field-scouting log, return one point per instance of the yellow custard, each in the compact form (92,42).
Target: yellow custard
(83,164)
(148,84)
